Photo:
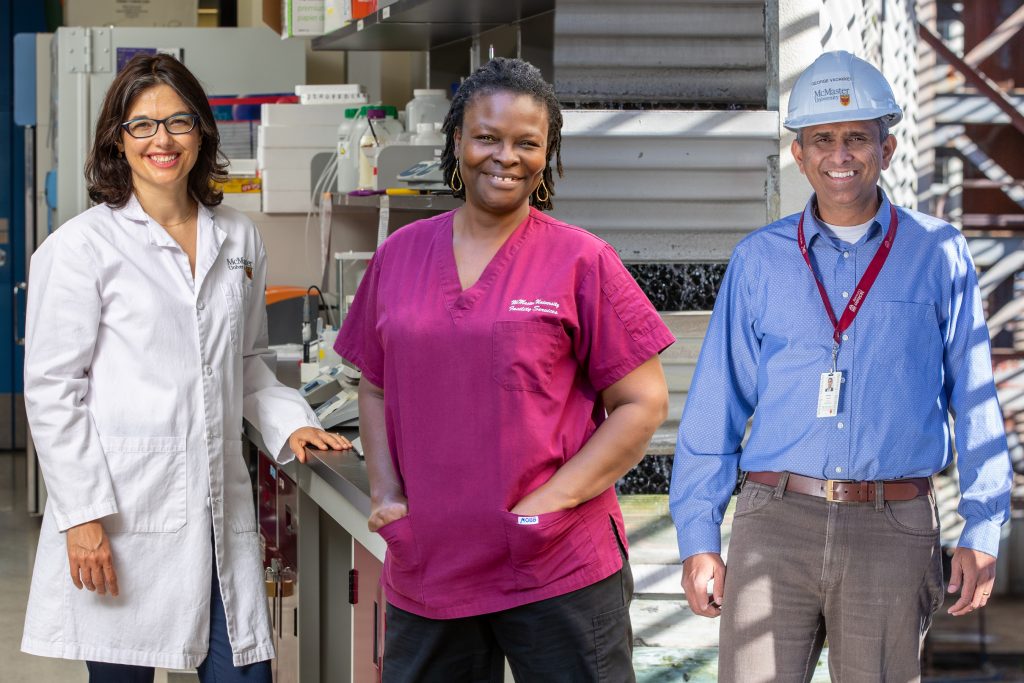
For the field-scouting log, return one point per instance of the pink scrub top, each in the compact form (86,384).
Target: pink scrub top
(487,392)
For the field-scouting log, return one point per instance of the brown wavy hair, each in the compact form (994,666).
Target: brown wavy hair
(108,174)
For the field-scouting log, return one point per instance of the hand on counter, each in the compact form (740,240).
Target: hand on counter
(316,438)
(90,559)
(387,511)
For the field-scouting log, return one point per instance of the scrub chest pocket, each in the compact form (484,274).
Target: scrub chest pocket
(524,352)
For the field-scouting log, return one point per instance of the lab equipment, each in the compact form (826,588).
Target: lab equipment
(382,128)
(426,106)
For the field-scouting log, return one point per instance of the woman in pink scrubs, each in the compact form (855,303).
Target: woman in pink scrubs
(510,378)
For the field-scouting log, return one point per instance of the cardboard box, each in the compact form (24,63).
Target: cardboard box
(131,13)
(302,18)
(324,138)
(240,185)
(337,14)
(303,114)
(363,8)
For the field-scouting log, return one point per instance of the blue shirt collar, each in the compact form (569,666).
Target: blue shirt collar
(813,227)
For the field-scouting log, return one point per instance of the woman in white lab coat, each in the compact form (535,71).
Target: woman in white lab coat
(145,348)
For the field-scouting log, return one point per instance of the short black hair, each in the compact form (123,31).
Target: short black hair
(503,74)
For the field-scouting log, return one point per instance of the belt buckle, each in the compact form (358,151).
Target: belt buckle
(830,490)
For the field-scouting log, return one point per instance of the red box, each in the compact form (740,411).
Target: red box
(362,8)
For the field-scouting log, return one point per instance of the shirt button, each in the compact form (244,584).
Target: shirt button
(845,337)
(846,294)
(840,425)
(201,305)
(839,469)
(846,254)
(208,370)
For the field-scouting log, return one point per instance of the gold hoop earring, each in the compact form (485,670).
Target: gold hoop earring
(547,195)
(456,176)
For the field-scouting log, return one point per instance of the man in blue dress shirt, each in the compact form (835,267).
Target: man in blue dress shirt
(835,530)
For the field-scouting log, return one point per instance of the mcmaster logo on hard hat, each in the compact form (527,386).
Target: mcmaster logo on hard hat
(841,87)
(828,94)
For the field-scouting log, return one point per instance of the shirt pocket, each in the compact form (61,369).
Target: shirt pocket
(909,333)
(148,474)
(239,513)
(547,548)
(523,353)
(237,295)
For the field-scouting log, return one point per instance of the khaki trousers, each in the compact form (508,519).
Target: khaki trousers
(867,576)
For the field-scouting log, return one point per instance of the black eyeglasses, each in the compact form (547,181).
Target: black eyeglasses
(178,124)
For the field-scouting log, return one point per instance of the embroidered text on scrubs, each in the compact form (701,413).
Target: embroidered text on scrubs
(531,305)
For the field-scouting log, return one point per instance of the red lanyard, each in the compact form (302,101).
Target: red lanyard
(866,281)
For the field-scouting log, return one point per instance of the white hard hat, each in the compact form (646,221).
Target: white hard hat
(841,87)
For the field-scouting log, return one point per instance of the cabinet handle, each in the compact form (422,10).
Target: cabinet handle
(19,287)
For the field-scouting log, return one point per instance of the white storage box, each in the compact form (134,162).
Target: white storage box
(244,201)
(303,114)
(274,179)
(351,94)
(323,138)
(287,201)
(287,159)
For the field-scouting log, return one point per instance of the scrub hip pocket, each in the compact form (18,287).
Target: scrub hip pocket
(402,562)
(523,353)
(547,548)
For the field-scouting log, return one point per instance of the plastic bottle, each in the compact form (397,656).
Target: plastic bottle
(382,128)
(426,106)
(427,134)
(348,159)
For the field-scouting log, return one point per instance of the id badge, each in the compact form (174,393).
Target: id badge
(828,393)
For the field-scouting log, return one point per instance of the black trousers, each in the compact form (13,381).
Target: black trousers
(581,636)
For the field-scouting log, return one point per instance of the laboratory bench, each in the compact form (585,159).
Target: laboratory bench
(322,564)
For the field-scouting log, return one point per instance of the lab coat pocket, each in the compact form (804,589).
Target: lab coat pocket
(523,353)
(239,513)
(549,547)
(402,562)
(148,474)
(237,297)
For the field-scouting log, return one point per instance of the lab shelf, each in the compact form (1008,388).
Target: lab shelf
(427,24)
(425,202)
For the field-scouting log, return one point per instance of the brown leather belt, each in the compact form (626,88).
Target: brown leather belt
(842,491)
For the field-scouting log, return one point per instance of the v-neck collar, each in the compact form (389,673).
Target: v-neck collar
(461,301)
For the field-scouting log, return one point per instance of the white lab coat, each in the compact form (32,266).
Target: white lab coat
(136,382)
